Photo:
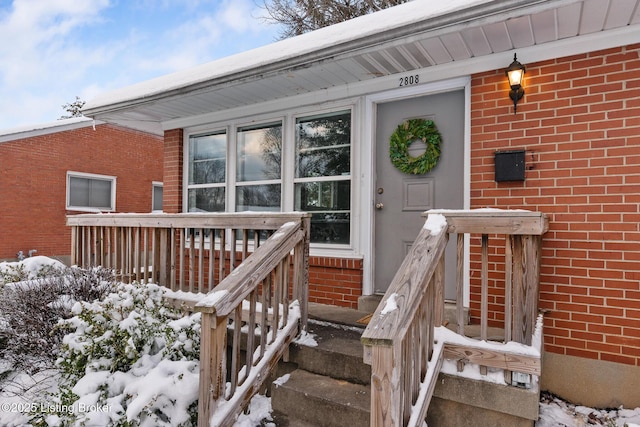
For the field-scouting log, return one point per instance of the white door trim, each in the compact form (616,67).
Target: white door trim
(368,162)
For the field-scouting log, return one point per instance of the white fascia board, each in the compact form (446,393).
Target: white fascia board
(29,131)
(562,48)
(406,20)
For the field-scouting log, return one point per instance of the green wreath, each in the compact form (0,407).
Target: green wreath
(404,135)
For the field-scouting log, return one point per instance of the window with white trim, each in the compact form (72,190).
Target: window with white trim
(156,196)
(207,173)
(259,168)
(91,192)
(242,169)
(323,175)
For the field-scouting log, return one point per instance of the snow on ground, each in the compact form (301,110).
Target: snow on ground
(19,391)
(555,412)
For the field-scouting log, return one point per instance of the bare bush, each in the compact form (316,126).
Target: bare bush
(32,309)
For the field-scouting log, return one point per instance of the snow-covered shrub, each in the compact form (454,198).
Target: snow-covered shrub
(31,309)
(128,361)
(36,267)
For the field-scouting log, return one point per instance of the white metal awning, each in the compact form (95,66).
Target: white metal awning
(446,40)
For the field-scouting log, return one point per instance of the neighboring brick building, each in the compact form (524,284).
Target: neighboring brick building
(38,163)
(578,125)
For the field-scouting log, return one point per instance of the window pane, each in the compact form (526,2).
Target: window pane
(258,198)
(206,199)
(330,228)
(90,193)
(100,193)
(78,192)
(207,159)
(323,145)
(259,153)
(157,197)
(330,205)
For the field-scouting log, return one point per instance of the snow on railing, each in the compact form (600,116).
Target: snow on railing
(405,342)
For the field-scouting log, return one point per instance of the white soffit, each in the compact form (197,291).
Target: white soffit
(420,35)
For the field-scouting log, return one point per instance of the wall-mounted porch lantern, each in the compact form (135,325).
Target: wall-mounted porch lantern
(515,73)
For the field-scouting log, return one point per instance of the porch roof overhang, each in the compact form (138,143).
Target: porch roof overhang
(441,39)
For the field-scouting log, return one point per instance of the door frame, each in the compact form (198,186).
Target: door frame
(368,163)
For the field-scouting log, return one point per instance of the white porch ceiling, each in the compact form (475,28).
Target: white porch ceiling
(479,31)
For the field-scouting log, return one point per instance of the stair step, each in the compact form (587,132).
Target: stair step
(338,354)
(321,401)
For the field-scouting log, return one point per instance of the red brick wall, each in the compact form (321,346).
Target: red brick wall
(172,191)
(335,281)
(580,124)
(33,173)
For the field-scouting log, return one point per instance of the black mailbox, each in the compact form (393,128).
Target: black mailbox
(509,165)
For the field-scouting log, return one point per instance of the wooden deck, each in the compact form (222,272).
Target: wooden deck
(253,271)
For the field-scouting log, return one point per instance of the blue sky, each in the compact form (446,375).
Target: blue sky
(55,50)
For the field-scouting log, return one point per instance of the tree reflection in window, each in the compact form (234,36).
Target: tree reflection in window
(259,153)
(259,159)
(207,172)
(323,175)
(323,145)
(207,158)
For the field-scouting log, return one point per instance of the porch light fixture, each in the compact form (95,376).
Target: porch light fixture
(515,73)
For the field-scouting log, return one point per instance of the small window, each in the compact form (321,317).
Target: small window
(156,197)
(89,192)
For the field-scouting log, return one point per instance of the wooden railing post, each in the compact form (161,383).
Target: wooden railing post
(384,387)
(74,245)
(526,266)
(399,338)
(213,350)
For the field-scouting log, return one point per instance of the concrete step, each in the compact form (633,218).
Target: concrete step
(338,353)
(320,401)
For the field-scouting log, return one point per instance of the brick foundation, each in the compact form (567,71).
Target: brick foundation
(335,281)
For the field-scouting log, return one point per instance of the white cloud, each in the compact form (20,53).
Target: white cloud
(210,33)
(53,50)
(36,52)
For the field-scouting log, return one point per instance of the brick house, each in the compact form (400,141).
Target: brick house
(67,167)
(331,99)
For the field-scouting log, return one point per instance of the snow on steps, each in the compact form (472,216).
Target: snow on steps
(324,385)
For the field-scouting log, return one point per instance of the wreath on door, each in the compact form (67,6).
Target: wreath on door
(405,134)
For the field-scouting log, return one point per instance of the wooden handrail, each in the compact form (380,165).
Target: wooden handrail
(400,340)
(253,285)
(239,220)
(237,286)
(256,295)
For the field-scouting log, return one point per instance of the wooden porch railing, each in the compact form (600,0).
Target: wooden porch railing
(256,287)
(401,340)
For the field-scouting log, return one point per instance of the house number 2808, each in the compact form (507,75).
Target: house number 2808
(409,80)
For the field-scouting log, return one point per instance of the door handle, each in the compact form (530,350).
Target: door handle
(379,205)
